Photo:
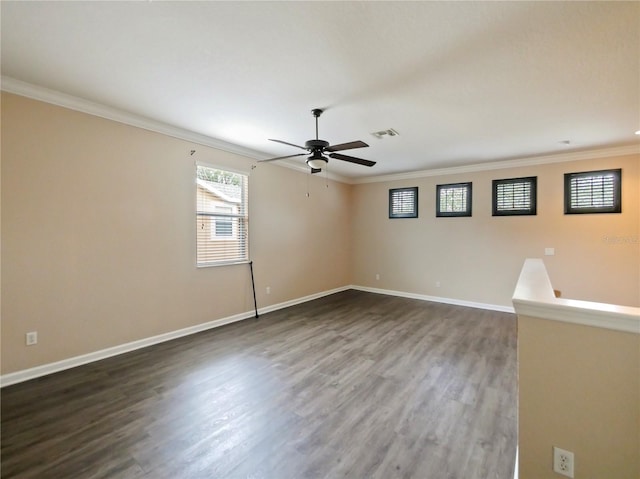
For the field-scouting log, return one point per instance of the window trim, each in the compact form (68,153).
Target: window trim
(533,208)
(454,214)
(617,193)
(239,216)
(412,214)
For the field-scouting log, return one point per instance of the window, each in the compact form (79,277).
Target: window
(453,200)
(222,222)
(514,196)
(403,202)
(593,192)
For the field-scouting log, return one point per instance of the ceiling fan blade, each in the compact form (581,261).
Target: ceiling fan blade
(347,146)
(352,159)
(287,143)
(281,157)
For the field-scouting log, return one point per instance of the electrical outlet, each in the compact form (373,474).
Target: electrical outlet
(32,338)
(377,276)
(437,284)
(563,462)
(268,289)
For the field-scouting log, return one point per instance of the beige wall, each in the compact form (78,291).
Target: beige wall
(579,389)
(98,236)
(98,245)
(478,259)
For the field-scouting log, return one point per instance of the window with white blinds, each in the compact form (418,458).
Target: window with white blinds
(222,220)
(593,192)
(453,199)
(514,196)
(403,202)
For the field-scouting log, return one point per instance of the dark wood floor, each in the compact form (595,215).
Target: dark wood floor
(353,385)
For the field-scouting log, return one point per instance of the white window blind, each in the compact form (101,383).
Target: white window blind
(453,199)
(222,227)
(590,191)
(593,192)
(222,220)
(514,196)
(403,202)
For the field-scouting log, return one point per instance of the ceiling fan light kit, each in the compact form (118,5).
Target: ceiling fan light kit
(318,160)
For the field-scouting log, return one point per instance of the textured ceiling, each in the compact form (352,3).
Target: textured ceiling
(462,82)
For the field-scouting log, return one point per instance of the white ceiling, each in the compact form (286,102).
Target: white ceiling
(462,82)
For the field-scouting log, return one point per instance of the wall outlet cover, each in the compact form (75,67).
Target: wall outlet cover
(31,338)
(563,462)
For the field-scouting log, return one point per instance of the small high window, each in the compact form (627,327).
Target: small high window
(514,196)
(593,192)
(453,200)
(403,202)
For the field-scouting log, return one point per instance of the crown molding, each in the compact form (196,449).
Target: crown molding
(18,87)
(54,97)
(497,165)
(305,169)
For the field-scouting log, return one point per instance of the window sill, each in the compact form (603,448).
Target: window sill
(221,263)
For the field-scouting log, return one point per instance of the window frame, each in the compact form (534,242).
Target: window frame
(533,196)
(468,211)
(411,214)
(569,209)
(239,220)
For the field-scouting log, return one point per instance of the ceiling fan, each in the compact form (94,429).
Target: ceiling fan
(317,149)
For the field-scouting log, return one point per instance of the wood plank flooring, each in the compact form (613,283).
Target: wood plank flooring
(354,385)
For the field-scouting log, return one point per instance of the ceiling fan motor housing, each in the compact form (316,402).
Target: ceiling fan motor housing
(314,145)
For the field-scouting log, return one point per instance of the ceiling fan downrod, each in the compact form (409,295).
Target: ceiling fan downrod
(316,145)
(316,112)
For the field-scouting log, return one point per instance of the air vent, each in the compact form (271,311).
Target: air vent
(382,133)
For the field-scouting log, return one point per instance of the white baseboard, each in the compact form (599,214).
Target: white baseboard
(50,368)
(437,299)
(304,299)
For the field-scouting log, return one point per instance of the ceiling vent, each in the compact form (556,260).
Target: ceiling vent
(382,133)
